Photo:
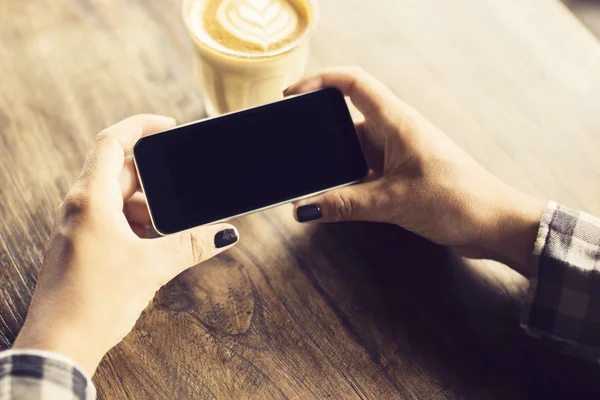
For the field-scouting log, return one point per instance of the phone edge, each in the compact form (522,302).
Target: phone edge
(237,215)
(248,212)
(235,112)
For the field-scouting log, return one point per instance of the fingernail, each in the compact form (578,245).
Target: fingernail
(225,238)
(287,89)
(308,212)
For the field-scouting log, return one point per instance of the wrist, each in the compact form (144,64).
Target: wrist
(63,339)
(513,230)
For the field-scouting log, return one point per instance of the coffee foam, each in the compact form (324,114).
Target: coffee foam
(262,22)
(249,27)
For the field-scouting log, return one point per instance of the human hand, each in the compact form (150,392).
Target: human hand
(99,272)
(422,181)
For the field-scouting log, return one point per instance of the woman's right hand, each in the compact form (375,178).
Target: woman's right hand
(422,181)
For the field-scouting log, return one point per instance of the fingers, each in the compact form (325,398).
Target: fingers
(186,249)
(367,93)
(136,210)
(128,179)
(363,202)
(127,132)
(371,176)
(140,230)
(373,154)
(105,161)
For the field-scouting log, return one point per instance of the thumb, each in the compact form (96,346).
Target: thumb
(188,248)
(353,203)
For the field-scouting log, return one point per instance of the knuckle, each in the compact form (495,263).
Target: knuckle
(196,247)
(106,138)
(75,205)
(360,75)
(103,135)
(356,70)
(141,116)
(138,120)
(343,207)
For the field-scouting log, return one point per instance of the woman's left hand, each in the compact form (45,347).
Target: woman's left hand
(100,272)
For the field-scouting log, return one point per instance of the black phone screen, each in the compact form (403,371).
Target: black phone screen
(241,162)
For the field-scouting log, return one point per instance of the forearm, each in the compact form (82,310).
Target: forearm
(51,327)
(69,345)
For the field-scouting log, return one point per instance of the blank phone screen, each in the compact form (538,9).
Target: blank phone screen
(241,162)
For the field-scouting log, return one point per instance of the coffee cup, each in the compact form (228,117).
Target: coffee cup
(248,51)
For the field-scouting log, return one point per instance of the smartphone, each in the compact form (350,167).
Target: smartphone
(221,168)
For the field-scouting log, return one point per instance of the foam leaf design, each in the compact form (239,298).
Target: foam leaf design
(262,22)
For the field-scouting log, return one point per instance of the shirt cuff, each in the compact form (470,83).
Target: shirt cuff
(24,371)
(562,306)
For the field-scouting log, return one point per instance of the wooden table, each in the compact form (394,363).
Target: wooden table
(338,311)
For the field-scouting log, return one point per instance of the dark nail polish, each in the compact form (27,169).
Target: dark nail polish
(225,238)
(309,212)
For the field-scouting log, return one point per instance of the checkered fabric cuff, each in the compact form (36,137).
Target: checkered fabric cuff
(562,305)
(42,375)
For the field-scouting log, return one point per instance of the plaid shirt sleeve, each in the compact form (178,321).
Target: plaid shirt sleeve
(562,305)
(42,375)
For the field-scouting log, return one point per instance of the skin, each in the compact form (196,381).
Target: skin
(423,182)
(100,270)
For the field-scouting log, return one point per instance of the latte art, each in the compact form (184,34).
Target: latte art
(248,51)
(250,27)
(262,22)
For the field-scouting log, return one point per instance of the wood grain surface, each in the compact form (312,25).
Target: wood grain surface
(338,311)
